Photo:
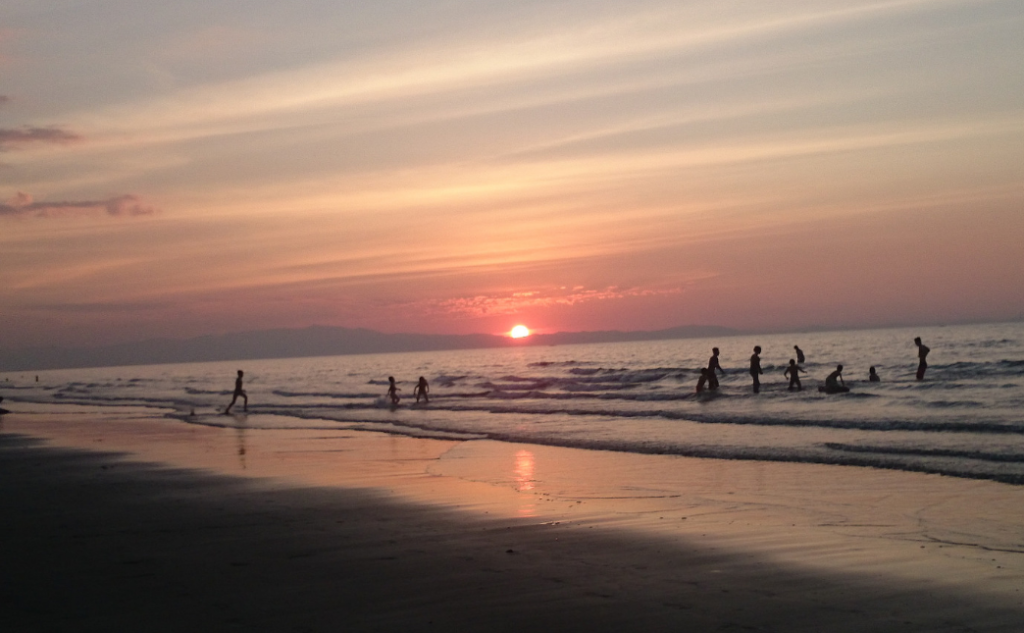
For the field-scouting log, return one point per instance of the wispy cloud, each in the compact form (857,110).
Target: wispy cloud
(101,307)
(14,138)
(22,205)
(617,47)
(495,304)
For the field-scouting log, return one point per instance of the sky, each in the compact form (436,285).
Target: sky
(175,169)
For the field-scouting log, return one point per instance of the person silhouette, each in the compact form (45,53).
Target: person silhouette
(238,392)
(703,379)
(873,375)
(793,371)
(922,353)
(714,367)
(755,368)
(422,389)
(835,383)
(393,390)
(799,355)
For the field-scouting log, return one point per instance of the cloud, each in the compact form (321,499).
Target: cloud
(22,205)
(517,302)
(102,307)
(14,138)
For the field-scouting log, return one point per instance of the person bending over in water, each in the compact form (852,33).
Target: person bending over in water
(755,368)
(793,371)
(393,390)
(799,355)
(873,375)
(714,367)
(238,392)
(835,383)
(922,353)
(422,389)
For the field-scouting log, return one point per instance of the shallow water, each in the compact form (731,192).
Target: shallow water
(963,420)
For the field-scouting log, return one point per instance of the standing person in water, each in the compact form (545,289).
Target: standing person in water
(713,367)
(393,390)
(422,389)
(793,371)
(922,353)
(799,355)
(238,392)
(873,375)
(755,368)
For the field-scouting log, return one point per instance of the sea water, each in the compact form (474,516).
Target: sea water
(964,419)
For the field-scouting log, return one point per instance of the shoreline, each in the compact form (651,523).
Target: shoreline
(377,532)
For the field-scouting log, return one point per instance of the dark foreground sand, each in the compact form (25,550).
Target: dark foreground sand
(92,541)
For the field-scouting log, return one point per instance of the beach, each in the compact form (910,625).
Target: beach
(117,519)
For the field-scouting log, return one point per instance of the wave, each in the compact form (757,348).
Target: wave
(207,392)
(1014,458)
(319,394)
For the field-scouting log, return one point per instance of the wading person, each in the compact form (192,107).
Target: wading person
(755,368)
(922,353)
(713,368)
(393,390)
(793,371)
(238,392)
(422,389)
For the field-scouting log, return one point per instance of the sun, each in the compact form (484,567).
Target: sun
(519,331)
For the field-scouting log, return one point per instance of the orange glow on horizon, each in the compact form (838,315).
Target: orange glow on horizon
(519,331)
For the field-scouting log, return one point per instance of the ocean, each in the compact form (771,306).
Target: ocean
(963,420)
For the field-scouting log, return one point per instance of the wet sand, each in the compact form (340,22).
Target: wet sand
(114,520)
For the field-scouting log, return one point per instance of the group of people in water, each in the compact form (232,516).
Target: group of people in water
(834,383)
(421,390)
(708,377)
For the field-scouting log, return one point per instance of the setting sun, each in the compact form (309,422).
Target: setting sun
(519,331)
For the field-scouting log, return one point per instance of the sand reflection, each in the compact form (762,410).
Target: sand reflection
(524,482)
(524,471)
(240,433)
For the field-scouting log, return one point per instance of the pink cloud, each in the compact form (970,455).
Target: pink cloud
(22,205)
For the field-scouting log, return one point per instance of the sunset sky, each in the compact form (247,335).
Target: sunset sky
(186,168)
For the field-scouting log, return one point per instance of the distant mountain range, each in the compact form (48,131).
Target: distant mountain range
(311,341)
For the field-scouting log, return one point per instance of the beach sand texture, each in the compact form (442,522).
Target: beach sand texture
(116,521)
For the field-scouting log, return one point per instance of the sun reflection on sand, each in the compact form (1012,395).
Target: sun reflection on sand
(524,471)
(524,482)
